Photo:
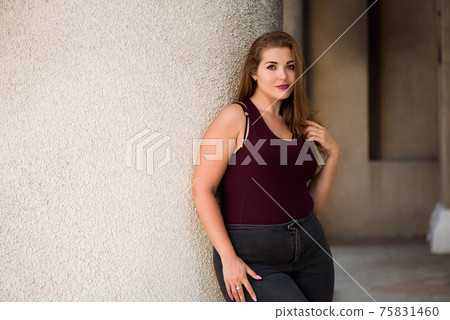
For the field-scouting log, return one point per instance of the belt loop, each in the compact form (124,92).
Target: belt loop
(291,225)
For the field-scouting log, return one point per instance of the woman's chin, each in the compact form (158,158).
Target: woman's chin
(282,96)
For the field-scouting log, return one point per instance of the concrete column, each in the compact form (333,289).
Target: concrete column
(439,234)
(338,83)
(100,104)
(375,198)
(293,19)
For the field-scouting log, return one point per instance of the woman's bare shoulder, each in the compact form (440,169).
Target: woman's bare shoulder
(229,119)
(232,112)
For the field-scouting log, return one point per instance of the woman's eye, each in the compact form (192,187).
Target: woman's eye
(291,66)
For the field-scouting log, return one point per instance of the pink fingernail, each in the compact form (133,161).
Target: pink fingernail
(259,277)
(254,299)
(231,298)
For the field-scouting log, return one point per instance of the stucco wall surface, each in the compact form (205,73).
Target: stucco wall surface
(78,81)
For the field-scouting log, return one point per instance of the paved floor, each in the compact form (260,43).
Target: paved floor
(392,271)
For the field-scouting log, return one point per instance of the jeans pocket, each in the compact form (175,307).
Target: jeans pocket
(263,244)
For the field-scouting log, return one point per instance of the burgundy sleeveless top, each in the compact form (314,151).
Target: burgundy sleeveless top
(264,185)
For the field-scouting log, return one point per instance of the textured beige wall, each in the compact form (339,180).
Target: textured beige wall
(78,79)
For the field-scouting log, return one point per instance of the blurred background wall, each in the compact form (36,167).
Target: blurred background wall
(383,90)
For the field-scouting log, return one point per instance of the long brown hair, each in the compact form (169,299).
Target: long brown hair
(296,108)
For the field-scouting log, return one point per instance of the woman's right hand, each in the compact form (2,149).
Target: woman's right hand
(235,275)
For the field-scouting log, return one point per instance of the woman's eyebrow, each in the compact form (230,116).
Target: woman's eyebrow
(274,62)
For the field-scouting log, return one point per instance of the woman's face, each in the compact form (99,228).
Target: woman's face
(275,69)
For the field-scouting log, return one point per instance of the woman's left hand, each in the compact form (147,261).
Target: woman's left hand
(320,134)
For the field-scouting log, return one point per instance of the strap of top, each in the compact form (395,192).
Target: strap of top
(246,116)
(246,121)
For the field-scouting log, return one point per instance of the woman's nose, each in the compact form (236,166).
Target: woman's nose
(282,74)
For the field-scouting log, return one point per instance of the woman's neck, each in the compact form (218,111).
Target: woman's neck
(266,104)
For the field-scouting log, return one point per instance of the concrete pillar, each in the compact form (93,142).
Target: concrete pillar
(373,197)
(338,83)
(91,93)
(439,233)
(293,21)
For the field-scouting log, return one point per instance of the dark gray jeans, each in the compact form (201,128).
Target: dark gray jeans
(293,266)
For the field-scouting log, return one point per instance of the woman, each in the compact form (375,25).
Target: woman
(268,243)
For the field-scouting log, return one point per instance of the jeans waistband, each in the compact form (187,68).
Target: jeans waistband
(287,225)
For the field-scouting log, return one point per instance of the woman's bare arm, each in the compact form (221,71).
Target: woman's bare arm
(321,186)
(208,173)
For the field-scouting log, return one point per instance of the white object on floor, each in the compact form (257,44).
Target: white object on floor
(439,233)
